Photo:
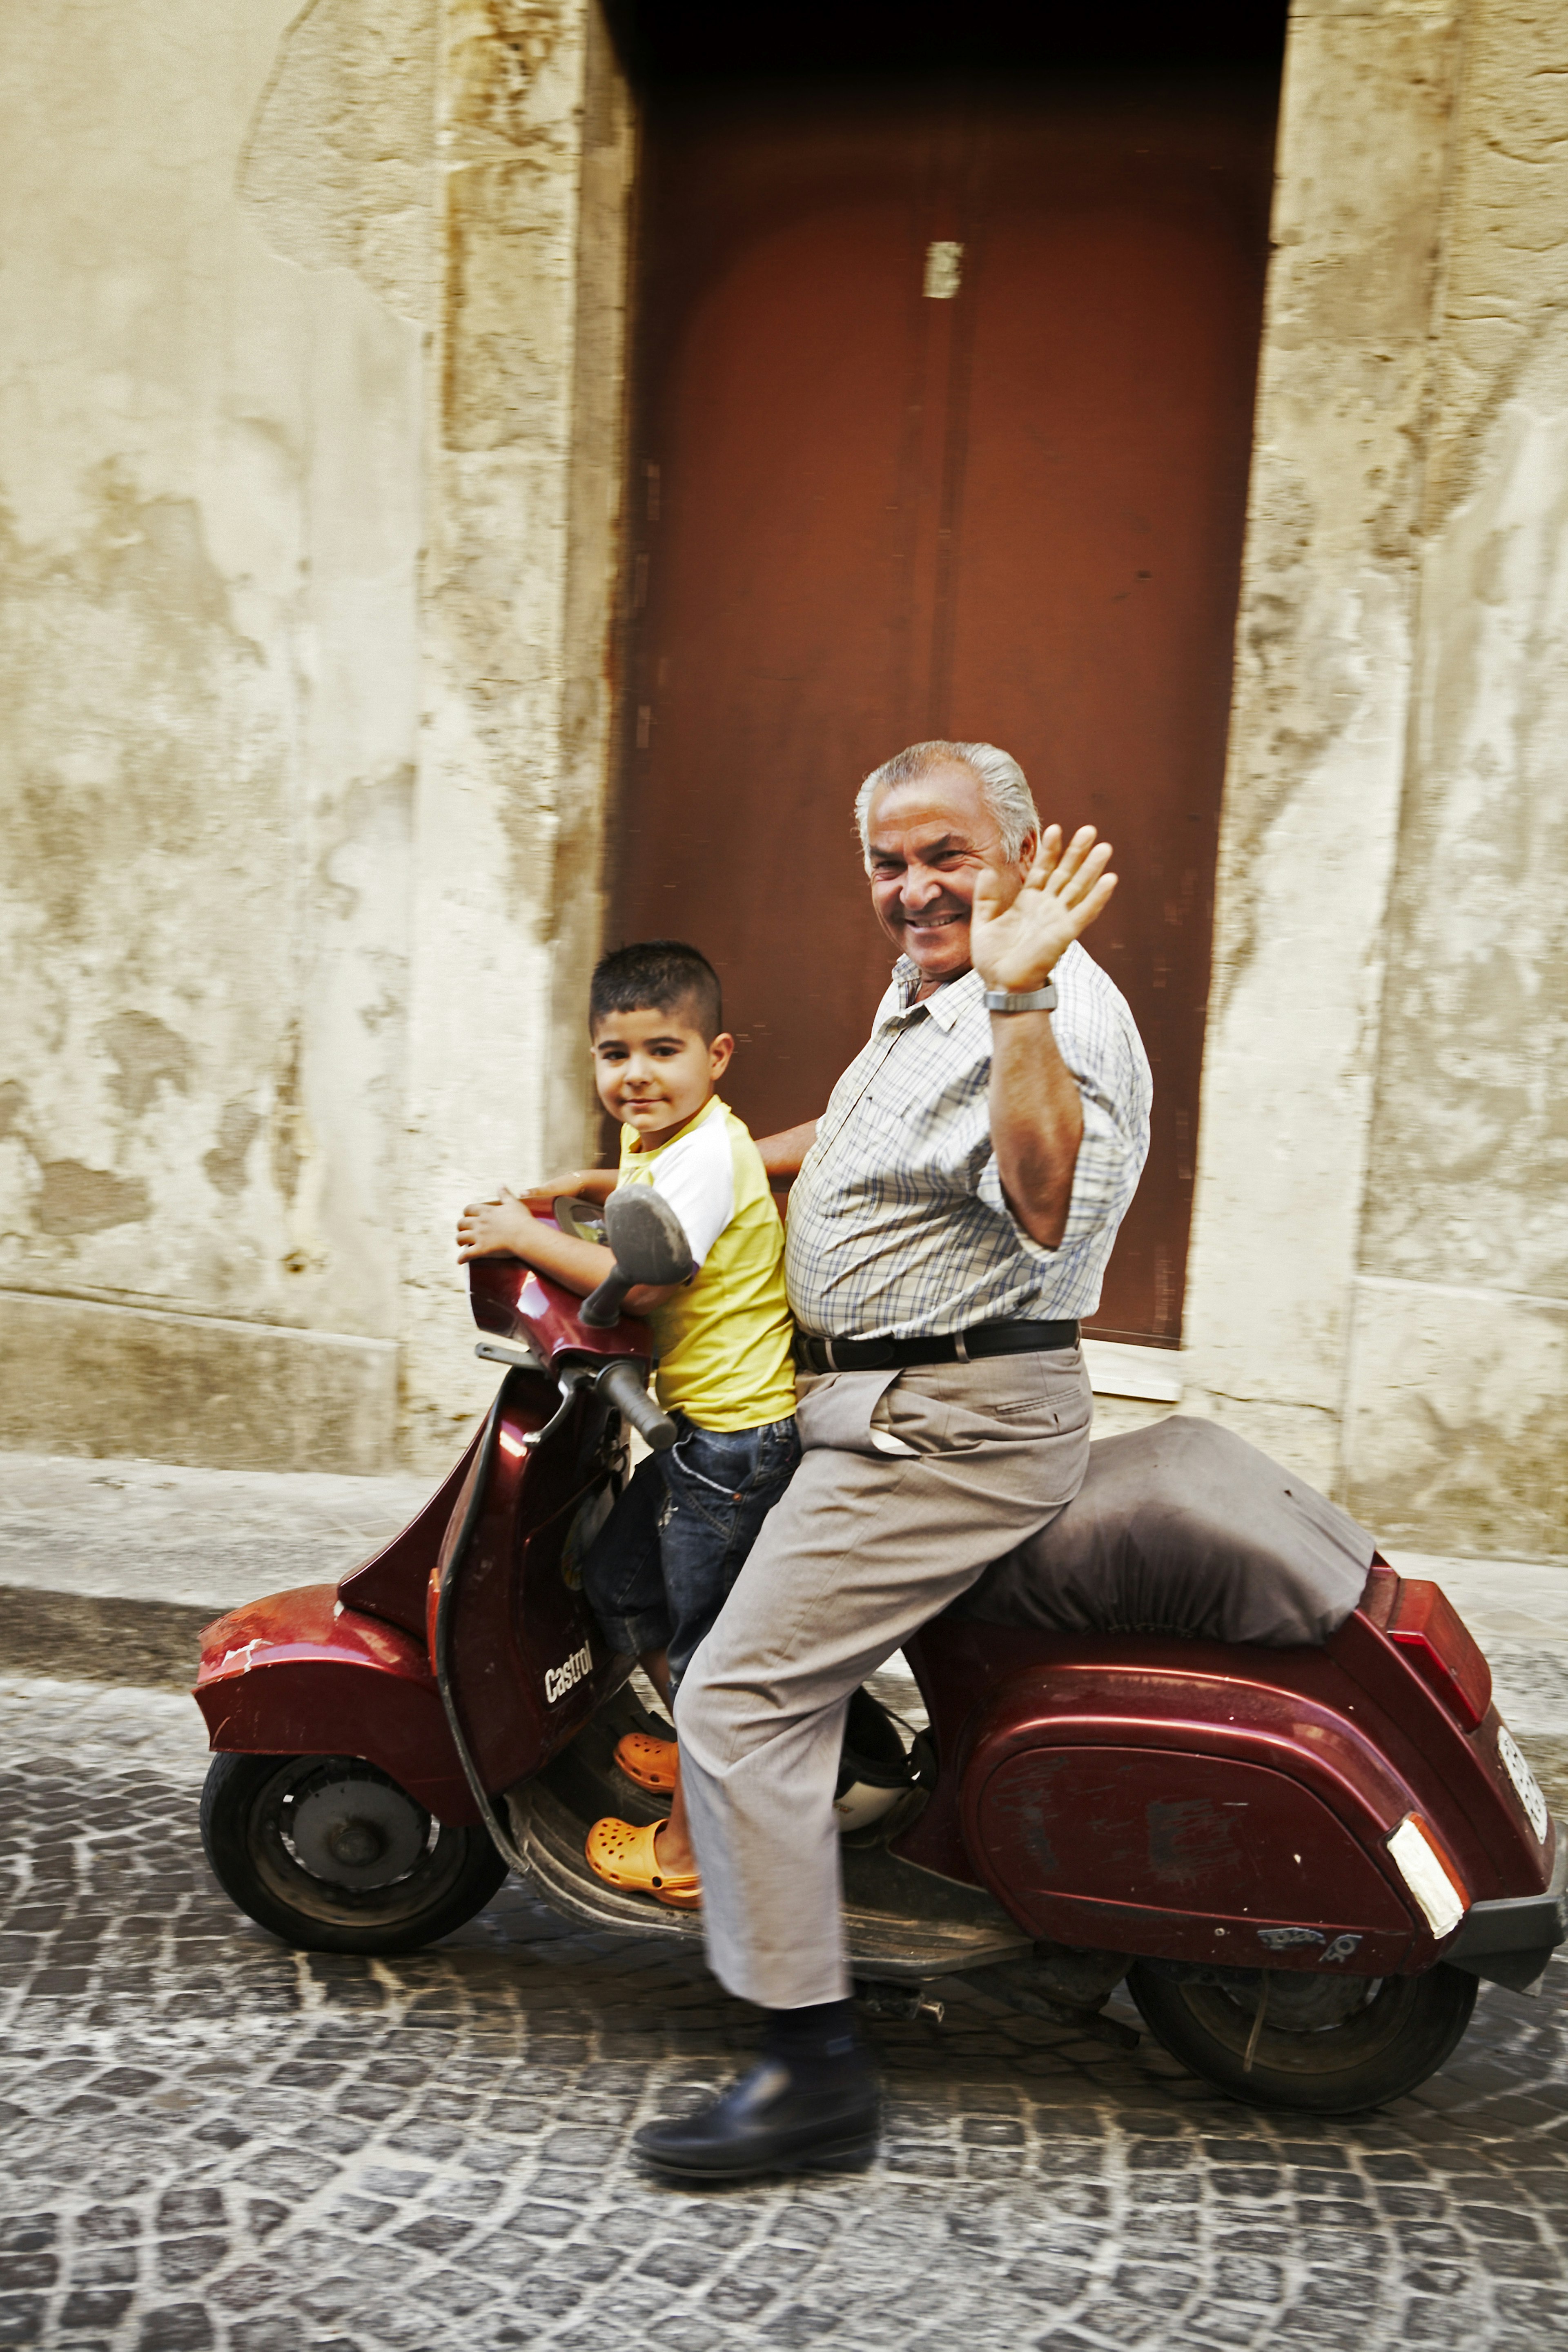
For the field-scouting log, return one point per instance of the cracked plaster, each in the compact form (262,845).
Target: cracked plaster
(208,715)
(1379,1240)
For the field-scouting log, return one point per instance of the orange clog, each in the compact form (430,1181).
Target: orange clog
(648,1761)
(624,1858)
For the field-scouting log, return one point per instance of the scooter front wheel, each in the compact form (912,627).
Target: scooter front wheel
(1329,2046)
(335,1856)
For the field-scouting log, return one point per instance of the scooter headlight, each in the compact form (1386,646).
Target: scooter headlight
(1431,1878)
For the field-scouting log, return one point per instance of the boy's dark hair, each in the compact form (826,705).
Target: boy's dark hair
(660,976)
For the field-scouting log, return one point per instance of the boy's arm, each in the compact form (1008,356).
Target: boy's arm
(582,1184)
(505,1228)
(782,1154)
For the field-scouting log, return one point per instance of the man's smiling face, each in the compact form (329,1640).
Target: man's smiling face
(929,841)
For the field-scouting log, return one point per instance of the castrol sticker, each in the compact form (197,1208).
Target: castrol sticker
(559,1680)
(1526,1786)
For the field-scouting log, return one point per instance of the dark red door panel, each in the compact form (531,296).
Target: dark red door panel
(861,516)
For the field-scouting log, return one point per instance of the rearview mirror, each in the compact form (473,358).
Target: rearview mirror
(650,1246)
(647,1237)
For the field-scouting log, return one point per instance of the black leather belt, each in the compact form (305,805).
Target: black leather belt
(815,1355)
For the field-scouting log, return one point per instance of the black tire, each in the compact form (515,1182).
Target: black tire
(1394,2033)
(334,1856)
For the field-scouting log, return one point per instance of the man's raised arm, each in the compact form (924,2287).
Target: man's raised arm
(1036,1114)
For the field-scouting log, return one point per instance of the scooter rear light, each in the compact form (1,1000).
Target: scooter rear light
(1432,1635)
(1430,1872)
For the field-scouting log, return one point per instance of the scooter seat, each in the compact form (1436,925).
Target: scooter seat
(1184,1529)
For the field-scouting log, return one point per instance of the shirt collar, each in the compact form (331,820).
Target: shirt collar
(950,1003)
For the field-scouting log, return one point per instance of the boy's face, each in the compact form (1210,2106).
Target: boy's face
(654,1071)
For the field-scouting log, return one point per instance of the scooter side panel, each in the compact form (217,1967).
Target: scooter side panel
(391,1584)
(298,1674)
(1456,1779)
(529,1664)
(1212,1713)
(1195,1857)
(956,1662)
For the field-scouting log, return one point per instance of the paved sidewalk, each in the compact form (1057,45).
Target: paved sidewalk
(217,2145)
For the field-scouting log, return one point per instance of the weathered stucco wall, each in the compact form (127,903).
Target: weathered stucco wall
(209,461)
(284,853)
(1378,1277)
(1458,1379)
(537,145)
(1324,651)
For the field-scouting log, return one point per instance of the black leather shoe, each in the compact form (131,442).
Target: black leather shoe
(774,2120)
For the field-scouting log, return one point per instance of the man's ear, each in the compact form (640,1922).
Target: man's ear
(719,1054)
(1028,849)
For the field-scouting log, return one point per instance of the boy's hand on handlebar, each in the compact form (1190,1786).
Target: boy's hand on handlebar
(495,1228)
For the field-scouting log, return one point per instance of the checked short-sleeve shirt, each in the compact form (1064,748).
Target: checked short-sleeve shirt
(898,1224)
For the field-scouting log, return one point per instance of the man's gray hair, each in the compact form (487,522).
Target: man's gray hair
(998,774)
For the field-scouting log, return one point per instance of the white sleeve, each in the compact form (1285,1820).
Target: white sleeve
(697,1176)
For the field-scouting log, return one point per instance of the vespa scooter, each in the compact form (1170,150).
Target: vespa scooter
(1301,1860)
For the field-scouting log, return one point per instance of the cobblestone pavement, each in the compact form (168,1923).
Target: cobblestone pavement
(216,2142)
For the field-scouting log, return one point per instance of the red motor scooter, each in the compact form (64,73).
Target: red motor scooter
(1301,1860)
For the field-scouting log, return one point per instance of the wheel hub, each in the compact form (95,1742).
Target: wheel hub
(355,1833)
(1300,2003)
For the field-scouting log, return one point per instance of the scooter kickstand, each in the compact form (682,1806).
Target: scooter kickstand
(909,2003)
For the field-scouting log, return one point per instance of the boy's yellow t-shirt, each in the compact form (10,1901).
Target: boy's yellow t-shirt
(724,1341)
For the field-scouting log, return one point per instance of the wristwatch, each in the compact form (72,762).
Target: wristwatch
(1034,1000)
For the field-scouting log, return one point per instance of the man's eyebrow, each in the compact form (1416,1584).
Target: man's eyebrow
(938,848)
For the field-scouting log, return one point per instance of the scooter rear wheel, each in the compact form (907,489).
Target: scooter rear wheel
(1329,2047)
(335,1856)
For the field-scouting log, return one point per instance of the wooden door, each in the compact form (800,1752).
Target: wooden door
(942,423)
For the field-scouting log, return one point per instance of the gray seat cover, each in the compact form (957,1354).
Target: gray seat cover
(1185,1528)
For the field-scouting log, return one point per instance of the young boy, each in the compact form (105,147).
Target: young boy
(660,1569)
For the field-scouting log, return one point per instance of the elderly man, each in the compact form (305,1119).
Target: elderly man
(955,1206)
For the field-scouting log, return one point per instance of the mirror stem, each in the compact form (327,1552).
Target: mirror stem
(602,1308)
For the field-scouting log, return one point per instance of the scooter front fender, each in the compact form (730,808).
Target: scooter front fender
(299,1675)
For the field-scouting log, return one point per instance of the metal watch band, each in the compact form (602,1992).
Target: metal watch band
(1035,1000)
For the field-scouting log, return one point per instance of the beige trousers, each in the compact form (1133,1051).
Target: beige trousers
(910,1484)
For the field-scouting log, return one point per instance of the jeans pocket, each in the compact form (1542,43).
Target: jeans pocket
(778,1454)
(732,1479)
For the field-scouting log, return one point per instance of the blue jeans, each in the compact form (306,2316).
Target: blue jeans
(660,1567)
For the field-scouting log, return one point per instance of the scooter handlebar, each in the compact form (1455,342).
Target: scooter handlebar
(626,1392)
